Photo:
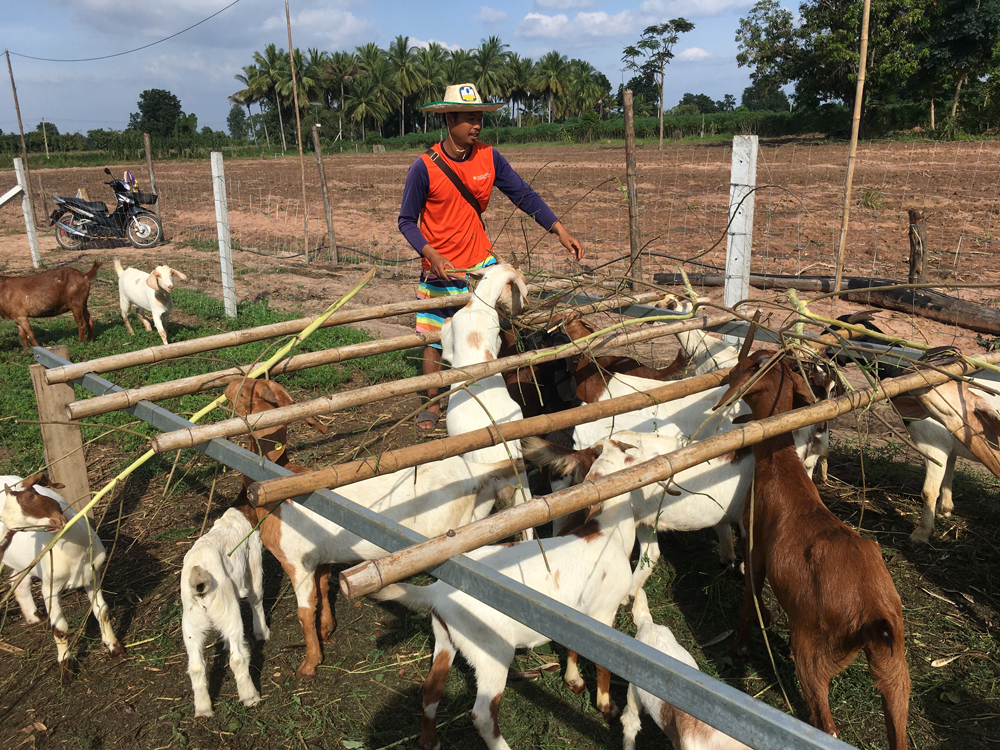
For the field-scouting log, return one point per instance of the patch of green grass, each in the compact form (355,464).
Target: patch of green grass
(872,199)
(20,441)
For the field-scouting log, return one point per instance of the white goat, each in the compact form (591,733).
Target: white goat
(707,352)
(75,561)
(221,568)
(471,337)
(587,569)
(430,499)
(147,292)
(962,420)
(685,731)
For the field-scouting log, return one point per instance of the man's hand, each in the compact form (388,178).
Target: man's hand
(439,264)
(568,241)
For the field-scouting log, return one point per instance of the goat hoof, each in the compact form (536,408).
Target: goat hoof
(306,671)
(612,714)
(117,650)
(575,687)
(67,671)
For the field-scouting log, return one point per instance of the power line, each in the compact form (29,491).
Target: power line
(129,52)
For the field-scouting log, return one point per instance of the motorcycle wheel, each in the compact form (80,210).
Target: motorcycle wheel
(144,230)
(67,240)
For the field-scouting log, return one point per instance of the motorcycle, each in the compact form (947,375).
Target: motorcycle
(78,220)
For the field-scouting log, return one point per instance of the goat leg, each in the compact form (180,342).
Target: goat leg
(327,618)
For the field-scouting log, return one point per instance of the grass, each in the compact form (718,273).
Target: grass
(20,441)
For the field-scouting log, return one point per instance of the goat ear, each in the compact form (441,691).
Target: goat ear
(275,394)
(751,334)
(178,274)
(151,280)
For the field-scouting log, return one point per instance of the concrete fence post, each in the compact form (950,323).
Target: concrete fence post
(29,213)
(222,225)
(742,181)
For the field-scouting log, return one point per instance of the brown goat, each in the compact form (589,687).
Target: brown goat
(558,385)
(45,295)
(831,582)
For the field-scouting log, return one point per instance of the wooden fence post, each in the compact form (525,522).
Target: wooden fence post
(222,226)
(330,234)
(742,181)
(152,178)
(632,189)
(62,442)
(918,245)
(29,213)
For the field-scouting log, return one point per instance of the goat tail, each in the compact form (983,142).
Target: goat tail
(200,581)
(93,270)
(118,267)
(640,609)
(417,598)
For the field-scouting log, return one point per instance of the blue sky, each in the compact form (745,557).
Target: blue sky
(198,66)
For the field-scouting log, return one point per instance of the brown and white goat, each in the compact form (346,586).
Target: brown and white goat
(45,295)
(587,569)
(31,511)
(831,581)
(429,499)
(149,293)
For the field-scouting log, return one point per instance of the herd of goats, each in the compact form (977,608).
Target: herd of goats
(831,582)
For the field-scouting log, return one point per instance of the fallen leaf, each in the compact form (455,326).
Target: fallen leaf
(718,639)
(945,662)
(951,698)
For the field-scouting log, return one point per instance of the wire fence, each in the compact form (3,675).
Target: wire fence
(683,194)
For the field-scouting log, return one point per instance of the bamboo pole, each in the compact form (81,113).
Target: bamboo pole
(282,488)
(192,436)
(154,354)
(93,406)
(855,126)
(373,575)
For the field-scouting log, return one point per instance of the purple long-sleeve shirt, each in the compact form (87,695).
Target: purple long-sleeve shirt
(506,179)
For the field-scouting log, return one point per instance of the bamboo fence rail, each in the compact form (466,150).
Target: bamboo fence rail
(282,488)
(373,575)
(232,427)
(96,405)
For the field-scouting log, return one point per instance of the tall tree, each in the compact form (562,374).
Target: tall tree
(364,100)
(584,90)
(489,61)
(431,60)
(406,76)
(268,67)
(551,77)
(341,68)
(458,67)
(237,122)
(159,112)
(654,50)
(520,82)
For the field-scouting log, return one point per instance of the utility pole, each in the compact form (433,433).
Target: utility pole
(45,137)
(20,127)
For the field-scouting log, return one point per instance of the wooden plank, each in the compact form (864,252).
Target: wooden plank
(62,440)
(10,195)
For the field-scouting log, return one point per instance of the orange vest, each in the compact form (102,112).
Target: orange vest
(449,223)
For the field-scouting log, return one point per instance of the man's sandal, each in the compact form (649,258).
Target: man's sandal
(427,416)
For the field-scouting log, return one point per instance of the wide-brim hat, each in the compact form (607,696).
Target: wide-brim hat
(461,97)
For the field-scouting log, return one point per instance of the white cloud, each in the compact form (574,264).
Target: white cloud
(586,25)
(563,4)
(421,43)
(692,54)
(489,15)
(665,9)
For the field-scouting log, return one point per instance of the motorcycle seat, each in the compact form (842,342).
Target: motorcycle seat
(98,206)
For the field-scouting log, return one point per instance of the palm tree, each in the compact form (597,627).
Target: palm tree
(458,67)
(368,55)
(341,68)
(381,75)
(490,66)
(431,60)
(364,100)
(245,97)
(406,73)
(584,89)
(551,77)
(520,75)
(306,81)
(267,79)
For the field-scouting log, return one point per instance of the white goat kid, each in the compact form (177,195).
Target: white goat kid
(75,561)
(588,570)
(707,353)
(685,731)
(149,293)
(221,568)
(471,337)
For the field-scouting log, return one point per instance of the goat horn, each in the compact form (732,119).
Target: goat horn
(751,333)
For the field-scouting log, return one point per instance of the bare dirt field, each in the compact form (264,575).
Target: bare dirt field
(367,694)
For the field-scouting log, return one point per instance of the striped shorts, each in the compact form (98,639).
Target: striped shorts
(430,287)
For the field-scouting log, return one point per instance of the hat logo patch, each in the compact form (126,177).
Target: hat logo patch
(467,94)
